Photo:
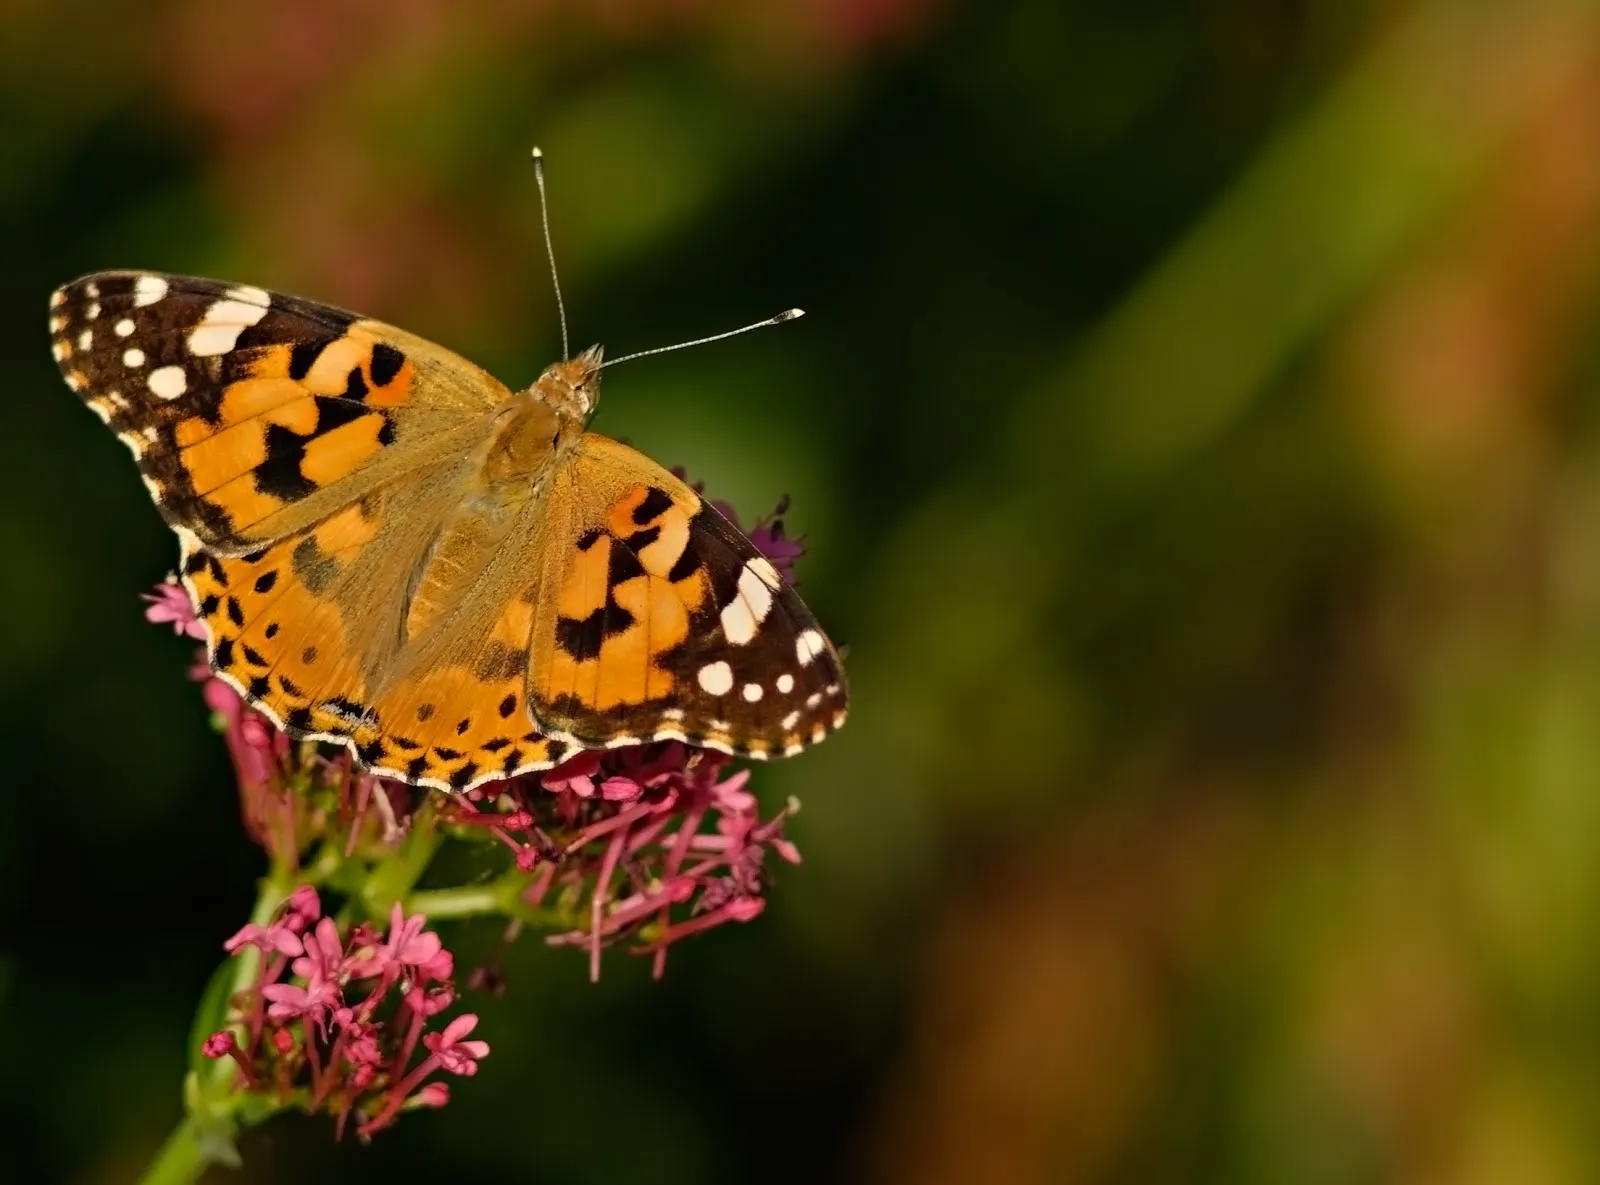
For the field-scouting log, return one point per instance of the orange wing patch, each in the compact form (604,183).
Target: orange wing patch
(301,418)
(622,604)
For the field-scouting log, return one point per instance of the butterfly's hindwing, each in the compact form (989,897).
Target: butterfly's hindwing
(282,631)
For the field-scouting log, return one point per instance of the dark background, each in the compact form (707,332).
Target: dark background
(1195,431)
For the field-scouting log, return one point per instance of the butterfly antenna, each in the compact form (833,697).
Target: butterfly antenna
(786,315)
(550,250)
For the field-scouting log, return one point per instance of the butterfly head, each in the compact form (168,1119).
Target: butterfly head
(571,388)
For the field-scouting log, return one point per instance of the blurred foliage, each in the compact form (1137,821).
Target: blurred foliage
(1196,433)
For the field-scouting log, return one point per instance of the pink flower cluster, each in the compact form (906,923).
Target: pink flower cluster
(624,833)
(335,1017)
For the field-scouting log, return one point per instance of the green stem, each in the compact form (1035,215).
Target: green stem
(181,1159)
(392,879)
(467,901)
(501,898)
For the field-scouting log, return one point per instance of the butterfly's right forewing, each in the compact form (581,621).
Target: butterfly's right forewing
(658,619)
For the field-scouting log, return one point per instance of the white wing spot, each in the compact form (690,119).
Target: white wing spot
(813,699)
(57,324)
(790,720)
(148,290)
(92,311)
(752,692)
(133,358)
(743,615)
(92,289)
(807,646)
(151,485)
(737,622)
(785,683)
(838,719)
(791,750)
(219,330)
(85,340)
(249,295)
(763,568)
(818,732)
(135,445)
(59,350)
(58,298)
(716,678)
(621,742)
(672,713)
(123,327)
(168,382)
(74,380)
(117,401)
(100,409)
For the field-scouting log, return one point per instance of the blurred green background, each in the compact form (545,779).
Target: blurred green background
(1197,431)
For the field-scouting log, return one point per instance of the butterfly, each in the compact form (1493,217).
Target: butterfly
(390,549)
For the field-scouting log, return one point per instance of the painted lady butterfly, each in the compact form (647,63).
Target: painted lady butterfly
(391,550)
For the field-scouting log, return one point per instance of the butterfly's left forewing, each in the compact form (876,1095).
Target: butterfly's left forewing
(657,618)
(253,414)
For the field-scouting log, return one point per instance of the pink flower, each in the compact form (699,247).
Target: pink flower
(169,604)
(361,1043)
(431,1001)
(276,937)
(324,952)
(219,1044)
(453,1054)
(435,1094)
(408,946)
(617,789)
(305,907)
(575,776)
(441,966)
(313,1001)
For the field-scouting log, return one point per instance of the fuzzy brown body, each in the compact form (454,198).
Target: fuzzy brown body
(390,549)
